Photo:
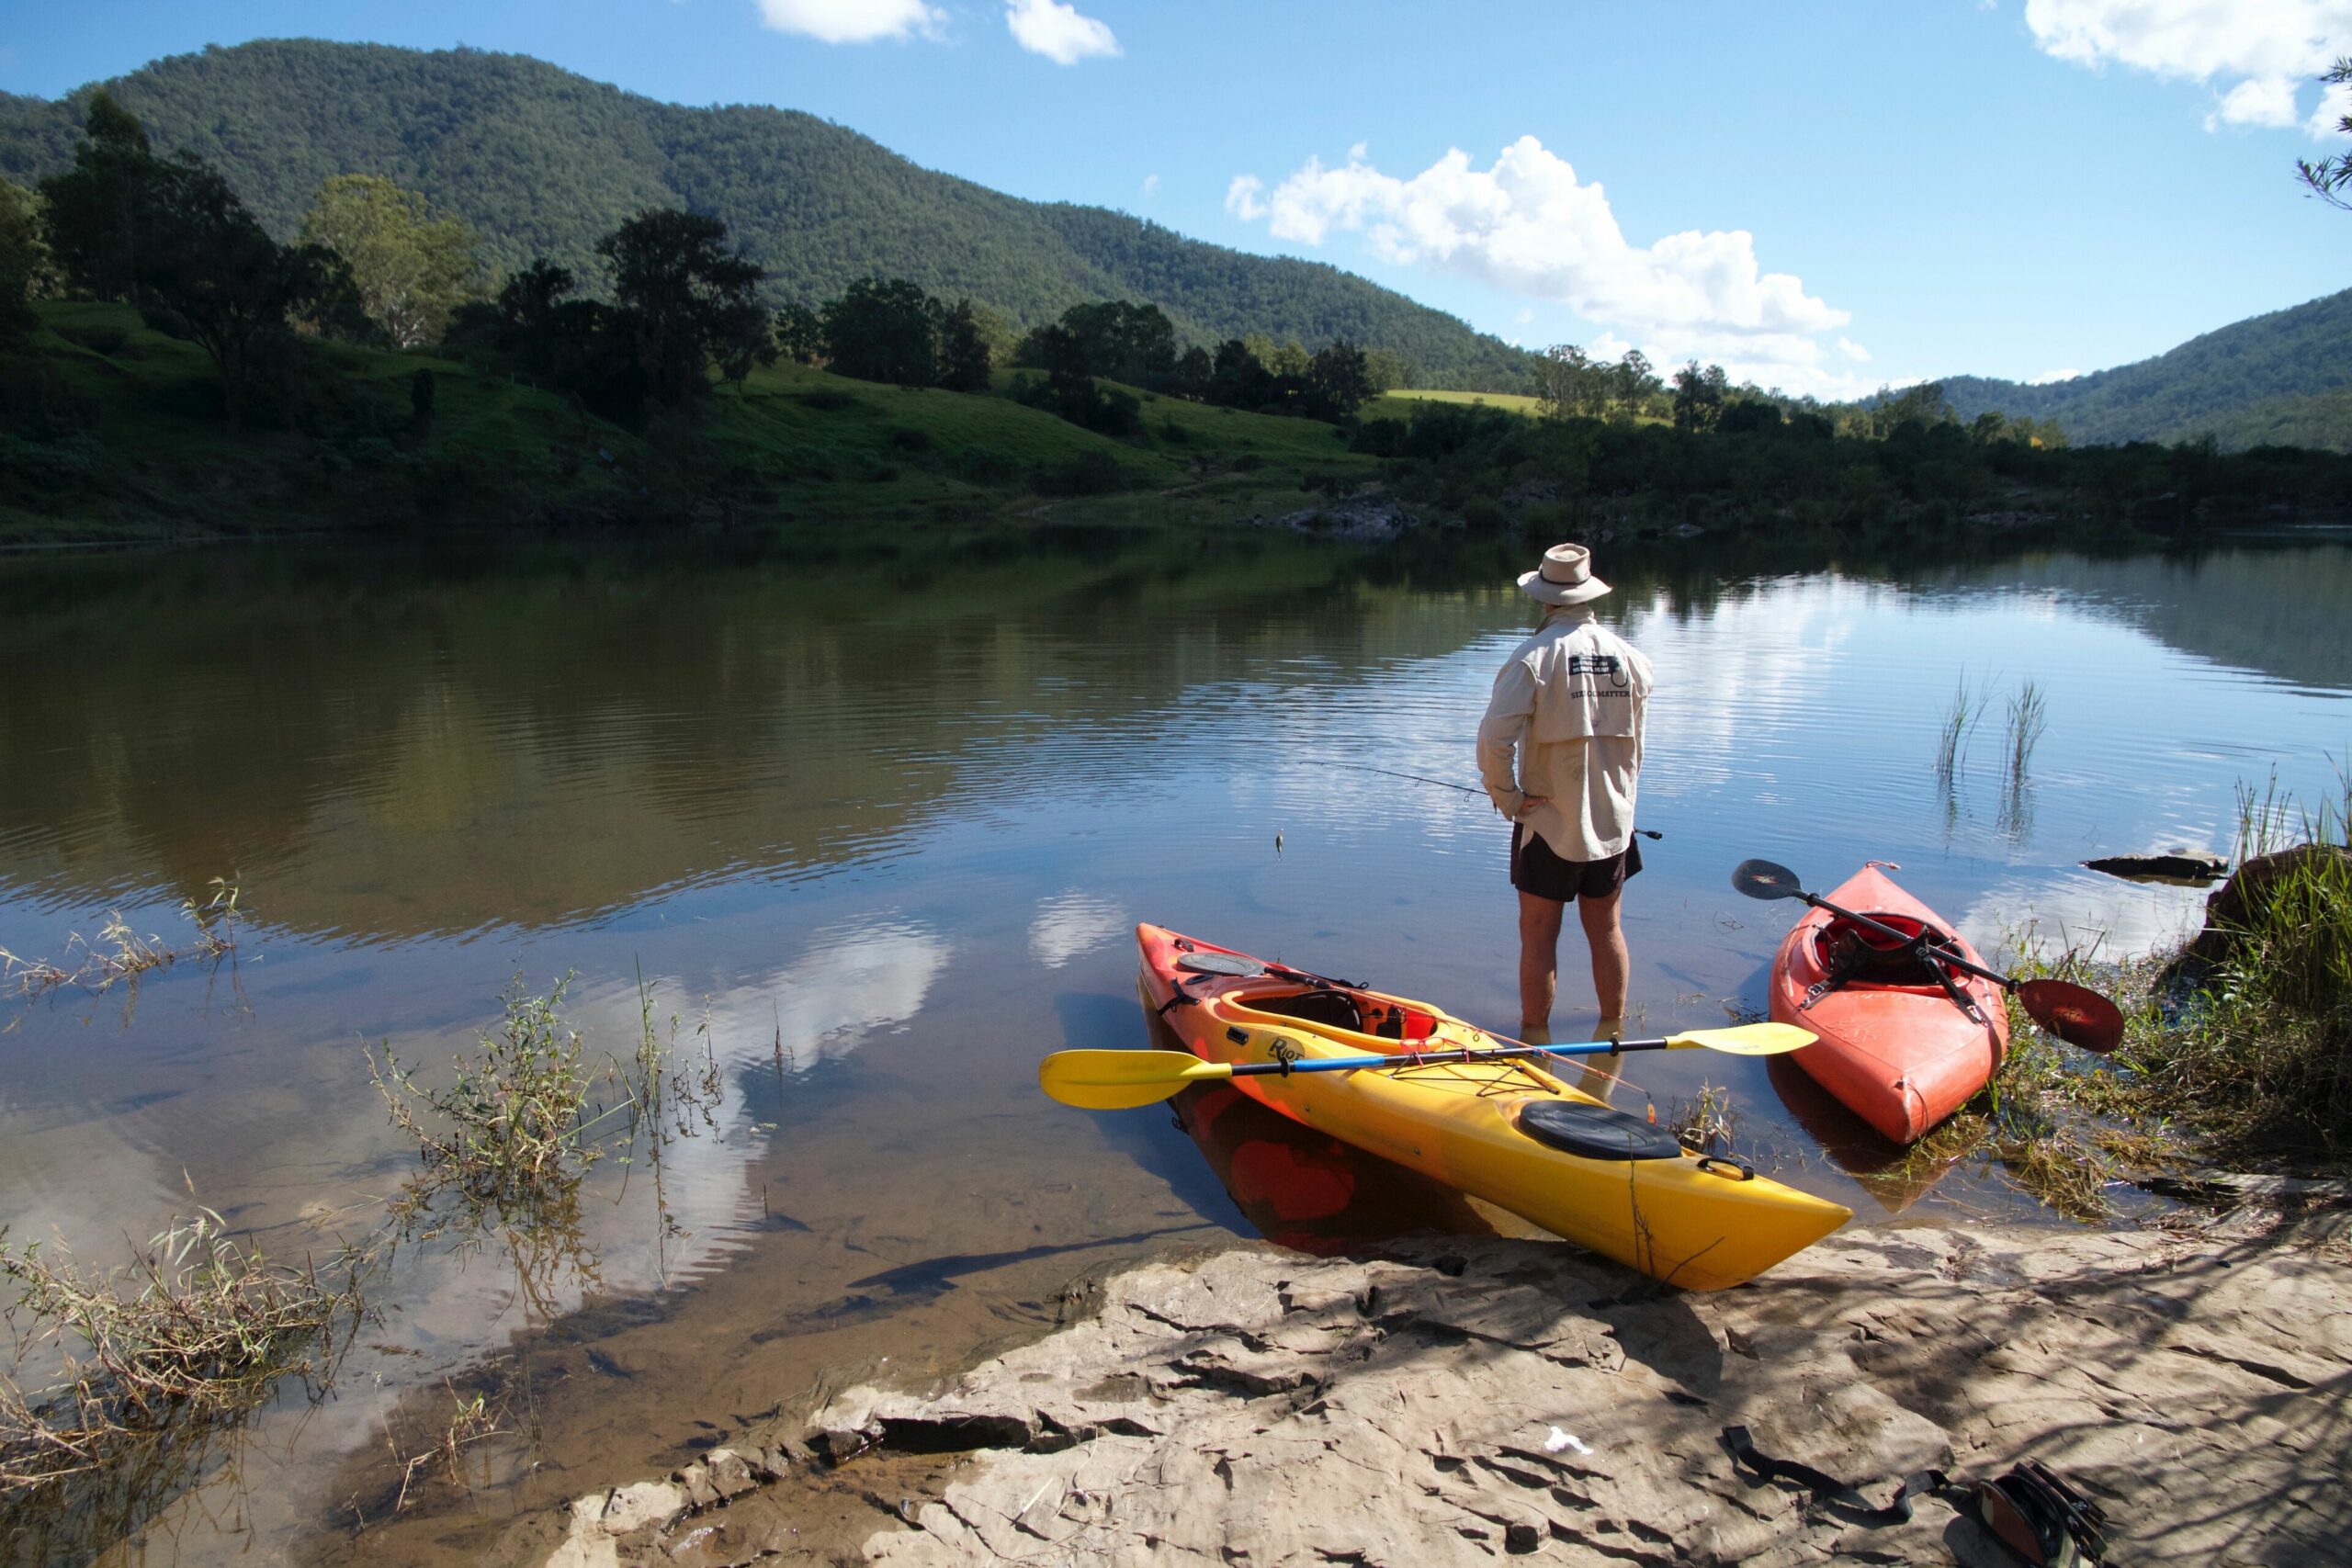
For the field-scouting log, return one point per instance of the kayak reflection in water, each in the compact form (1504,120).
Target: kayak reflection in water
(1560,753)
(1307,1190)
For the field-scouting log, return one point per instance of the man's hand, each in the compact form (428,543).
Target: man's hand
(1528,803)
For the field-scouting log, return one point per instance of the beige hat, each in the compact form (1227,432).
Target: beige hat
(1565,578)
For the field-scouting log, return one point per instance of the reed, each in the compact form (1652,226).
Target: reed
(1960,722)
(2029,719)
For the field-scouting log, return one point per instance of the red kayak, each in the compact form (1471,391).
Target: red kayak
(1904,1041)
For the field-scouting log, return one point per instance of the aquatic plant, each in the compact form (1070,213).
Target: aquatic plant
(470,1421)
(2029,717)
(512,1118)
(198,1330)
(120,953)
(1704,1123)
(1959,723)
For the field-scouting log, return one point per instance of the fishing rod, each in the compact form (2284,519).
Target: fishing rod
(1464,789)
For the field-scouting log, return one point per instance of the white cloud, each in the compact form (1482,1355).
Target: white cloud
(1853,351)
(1151,184)
(1528,227)
(2259,53)
(2048,376)
(851,21)
(1523,317)
(1057,31)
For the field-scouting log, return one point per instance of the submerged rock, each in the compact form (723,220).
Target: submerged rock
(2171,865)
(1366,519)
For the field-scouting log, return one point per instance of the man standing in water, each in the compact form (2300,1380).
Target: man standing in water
(1560,753)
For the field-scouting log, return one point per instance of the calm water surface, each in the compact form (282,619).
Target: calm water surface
(885,835)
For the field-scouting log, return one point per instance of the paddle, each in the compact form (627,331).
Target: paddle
(2076,1014)
(1120,1081)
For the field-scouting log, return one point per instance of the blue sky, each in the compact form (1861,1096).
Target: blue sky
(1820,195)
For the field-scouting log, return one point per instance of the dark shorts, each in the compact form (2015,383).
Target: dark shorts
(1535,869)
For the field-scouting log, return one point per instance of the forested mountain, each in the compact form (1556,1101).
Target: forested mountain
(540,161)
(2283,378)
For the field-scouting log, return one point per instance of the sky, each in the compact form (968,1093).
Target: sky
(1823,197)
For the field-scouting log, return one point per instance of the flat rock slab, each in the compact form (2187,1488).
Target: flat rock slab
(1469,1401)
(1510,1398)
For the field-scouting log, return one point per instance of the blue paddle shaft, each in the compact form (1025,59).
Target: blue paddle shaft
(1467,1054)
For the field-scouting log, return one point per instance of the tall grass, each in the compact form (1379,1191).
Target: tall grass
(2029,717)
(1961,719)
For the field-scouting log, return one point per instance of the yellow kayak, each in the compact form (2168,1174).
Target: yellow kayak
(1506,1132)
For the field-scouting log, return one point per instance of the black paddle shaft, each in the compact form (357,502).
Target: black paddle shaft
(2074,1013)
(1762,879)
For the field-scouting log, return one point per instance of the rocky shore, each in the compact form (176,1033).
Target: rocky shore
(1461,1402)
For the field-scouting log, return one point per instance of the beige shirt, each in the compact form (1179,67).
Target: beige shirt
(1564,723)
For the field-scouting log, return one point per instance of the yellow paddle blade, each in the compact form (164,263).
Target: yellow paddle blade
(1120,1081)
(1744,1040)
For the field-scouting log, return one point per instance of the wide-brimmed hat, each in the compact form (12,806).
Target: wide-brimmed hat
(1565,578)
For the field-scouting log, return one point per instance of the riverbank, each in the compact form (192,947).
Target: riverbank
(112,433)
(1462,1400)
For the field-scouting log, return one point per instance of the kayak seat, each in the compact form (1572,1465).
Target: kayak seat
(1344,1010)
(1595,1131)
(1333,1009)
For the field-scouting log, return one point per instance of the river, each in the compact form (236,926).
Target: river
(874,831)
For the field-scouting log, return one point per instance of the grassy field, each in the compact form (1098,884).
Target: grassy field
(1398,404)
(140,451)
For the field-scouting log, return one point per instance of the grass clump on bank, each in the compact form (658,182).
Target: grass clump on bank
(2237,1052)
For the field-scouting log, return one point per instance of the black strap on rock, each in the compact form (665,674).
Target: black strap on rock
(1827,1490)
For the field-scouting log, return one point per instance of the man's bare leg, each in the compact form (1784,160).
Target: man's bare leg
(1539,962)
(1611,965)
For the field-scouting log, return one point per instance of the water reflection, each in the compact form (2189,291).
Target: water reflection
(875,846)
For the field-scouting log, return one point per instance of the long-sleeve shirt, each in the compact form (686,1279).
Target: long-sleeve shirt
(1564,723)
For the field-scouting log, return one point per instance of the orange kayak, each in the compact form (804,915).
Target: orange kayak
(1508,1132)
(1900,1048)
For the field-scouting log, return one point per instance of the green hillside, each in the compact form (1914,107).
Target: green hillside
(2281,378)
(853,465)
(540,161)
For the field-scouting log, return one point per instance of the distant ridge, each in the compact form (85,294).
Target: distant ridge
(2284,378)
(543,162)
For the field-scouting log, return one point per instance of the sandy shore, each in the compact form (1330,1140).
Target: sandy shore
(1464,1400)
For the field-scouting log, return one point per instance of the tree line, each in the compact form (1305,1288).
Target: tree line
(375,264)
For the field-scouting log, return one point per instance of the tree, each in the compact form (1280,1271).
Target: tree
(682,300)
(800,334)
(413,268)
(1572,385)
(1631,383)
(1338,382)
(22,262)
(883,330)
(1237,378)
(1389,370)
(94,216)
(1134,343)
(964,356)
(170,237)
(1699,397)
(2328,176)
